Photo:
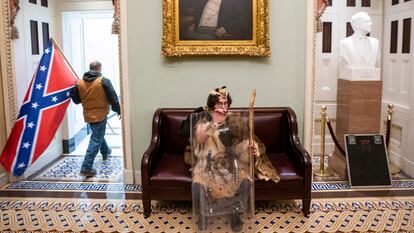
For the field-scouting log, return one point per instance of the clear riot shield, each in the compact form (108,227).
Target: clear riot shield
(222,173)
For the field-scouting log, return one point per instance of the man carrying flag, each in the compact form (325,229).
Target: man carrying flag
(41,113)
(96,94)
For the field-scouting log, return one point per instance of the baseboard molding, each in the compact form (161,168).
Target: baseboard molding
(138,177)
(129,176)
(70,145)
(4,178)
(407,166)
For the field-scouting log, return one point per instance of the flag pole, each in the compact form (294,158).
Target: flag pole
(64,57)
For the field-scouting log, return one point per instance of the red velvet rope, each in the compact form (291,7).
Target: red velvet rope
(387,135)
(334,138)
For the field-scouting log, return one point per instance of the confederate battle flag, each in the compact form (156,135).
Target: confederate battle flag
(41,113)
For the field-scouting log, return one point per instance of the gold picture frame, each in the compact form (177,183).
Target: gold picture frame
(179,31)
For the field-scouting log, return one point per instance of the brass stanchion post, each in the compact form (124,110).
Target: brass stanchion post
(393,168)
(323,172)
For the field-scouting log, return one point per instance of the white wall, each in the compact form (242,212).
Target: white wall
(156,82)
(398,86)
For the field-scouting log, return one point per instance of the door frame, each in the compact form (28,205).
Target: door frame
(10,97)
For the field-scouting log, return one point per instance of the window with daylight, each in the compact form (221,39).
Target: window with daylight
(394,36)
(34,35)
(327,37)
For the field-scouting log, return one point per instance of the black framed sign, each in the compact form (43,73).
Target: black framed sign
(367,160)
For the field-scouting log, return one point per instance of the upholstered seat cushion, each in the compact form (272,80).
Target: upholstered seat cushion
(287,171)
(171,171)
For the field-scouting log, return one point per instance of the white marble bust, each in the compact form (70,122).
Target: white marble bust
(359,51)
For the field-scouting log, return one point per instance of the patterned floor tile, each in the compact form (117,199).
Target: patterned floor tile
(72,187)
(68,169)
(387,214)
(111,187)
(344,185)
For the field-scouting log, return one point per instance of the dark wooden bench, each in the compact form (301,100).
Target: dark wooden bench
(165,176)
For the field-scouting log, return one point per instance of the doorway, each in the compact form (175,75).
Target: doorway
(87,37)
(36,13)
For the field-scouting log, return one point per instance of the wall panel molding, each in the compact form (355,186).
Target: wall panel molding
(399,132)
(9,84)
(125,104)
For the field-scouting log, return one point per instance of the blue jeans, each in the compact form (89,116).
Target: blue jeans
(96,143)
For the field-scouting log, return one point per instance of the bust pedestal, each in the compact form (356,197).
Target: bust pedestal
(358,110)
(360,74)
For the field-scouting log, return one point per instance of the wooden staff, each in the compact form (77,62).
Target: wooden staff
(251,113)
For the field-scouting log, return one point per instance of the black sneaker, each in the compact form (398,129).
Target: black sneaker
(236,223)
(88,173)
(106,156)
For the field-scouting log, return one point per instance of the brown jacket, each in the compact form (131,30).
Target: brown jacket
(94,101)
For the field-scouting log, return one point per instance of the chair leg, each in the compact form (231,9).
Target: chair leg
(306,206)
(147,207)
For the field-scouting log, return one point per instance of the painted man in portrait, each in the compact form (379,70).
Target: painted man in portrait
(216,19)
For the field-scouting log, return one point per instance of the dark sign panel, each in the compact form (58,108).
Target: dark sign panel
(367,160)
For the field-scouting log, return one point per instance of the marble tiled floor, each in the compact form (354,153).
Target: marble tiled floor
(385,214)
(67,167)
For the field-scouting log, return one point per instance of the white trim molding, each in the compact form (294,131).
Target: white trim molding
(398,148)
(9,83)
(310,75)
(125,113)
(3,179)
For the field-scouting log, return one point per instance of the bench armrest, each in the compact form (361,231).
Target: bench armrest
(301,158)
(152,155)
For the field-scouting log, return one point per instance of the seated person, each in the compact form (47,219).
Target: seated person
(218,103)
(222,166)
